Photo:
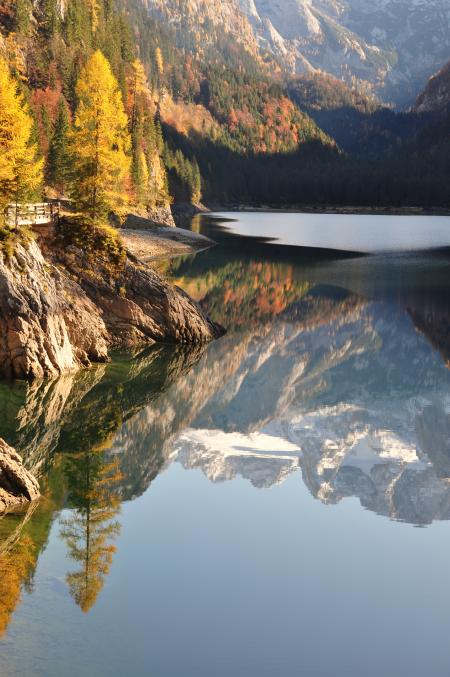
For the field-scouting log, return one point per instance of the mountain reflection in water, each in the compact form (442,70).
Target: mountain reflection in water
(337,369)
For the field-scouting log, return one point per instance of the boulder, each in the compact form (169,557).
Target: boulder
(17,485)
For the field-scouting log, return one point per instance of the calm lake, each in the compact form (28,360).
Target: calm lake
(272,505)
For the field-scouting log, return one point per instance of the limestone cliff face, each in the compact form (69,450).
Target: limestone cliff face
(17,485)
(47,324)
(158,216)
(390,47)
(137,306)
(59,313)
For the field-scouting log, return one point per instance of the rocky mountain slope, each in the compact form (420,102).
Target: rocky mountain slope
(226,120)
(392,45)
(200,24)
(389,47)
(436,95)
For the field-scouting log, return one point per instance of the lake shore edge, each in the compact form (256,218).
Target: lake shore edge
(312,209)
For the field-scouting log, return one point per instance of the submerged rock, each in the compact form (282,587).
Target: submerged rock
(17,485)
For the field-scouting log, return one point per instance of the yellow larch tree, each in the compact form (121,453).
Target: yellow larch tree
(100,142)
(137,87)
(159,60)
(21,172)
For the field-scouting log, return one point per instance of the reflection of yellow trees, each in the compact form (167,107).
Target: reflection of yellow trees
(16,566)
(245,293)
(22,538)
(90,530)
(17,561)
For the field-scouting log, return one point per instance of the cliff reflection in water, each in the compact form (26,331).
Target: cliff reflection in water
(348,387)
(65,430)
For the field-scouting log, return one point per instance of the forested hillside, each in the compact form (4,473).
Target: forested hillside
(46,45)
(202,113)
(180,102)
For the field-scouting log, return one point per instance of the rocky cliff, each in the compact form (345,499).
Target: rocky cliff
(48,325)
(393,45)
(389,47)
(65,310)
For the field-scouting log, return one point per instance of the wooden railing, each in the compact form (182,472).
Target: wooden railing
(39,214)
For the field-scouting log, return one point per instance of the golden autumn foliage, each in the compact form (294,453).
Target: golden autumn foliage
(137,86)
(100,141)
(148,174)
(188,117)
(20,170)
(143,168)
(159,60)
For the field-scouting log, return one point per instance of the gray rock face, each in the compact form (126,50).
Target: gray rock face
(47,324)
(160,216)
(59,313)
(436,95)
(137,306)
(17,485)
(391,45)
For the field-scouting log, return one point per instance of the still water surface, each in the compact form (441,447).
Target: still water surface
(368,233)
(275,504)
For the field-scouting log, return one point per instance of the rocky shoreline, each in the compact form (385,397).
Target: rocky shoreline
(329,209)
(62,309)
(17,485)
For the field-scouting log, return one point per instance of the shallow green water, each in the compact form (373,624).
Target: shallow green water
(251,507)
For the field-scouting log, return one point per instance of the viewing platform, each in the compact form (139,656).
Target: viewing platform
(38,214)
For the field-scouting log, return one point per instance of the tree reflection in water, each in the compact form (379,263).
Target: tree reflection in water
(92,482)
(43,421)
(17,562)
(23,537)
